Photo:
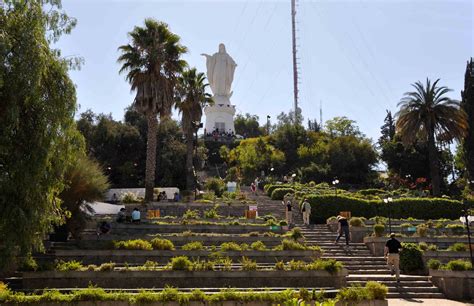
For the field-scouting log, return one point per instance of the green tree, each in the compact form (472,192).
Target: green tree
(85,182)
(467,105)
(247,126)
(253,155)
(37,132)
(342,126)
(288,138)
(153,63)
(429,115)
(191,99)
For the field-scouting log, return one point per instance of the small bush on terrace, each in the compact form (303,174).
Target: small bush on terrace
(295,234)
(191,214)
(137,244)
(288,244)
(356,222)
(180,263)
(258,246)
(458,265)
(248,264)
(457,229)
(230,246)
(215,184)
(376,291)
(279,193)
(212,213)
(458,247)
(433,264)
(329,265)
(422,230)
(162,244)
(378,230)
(73,265)
(109,266)
(193,246)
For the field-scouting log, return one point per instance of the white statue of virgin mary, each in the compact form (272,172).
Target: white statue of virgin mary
(220,72)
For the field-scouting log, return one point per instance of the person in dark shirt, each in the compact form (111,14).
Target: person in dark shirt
(391,254)
(289,214)
(343,229)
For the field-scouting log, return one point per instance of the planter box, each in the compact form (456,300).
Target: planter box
(377,244)
(143,229)
(90,241)
(363,303)
(457,285)
(445,256)
(120,303)
(183,279)
(358,233)
(141,256)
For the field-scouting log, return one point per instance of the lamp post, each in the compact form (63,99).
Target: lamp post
(335,182)
(466,216)
(388,201)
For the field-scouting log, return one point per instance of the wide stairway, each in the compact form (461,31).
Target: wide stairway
(364,267)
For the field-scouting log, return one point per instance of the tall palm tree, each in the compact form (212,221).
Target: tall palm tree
(191,99)
(152,61)
(429,115)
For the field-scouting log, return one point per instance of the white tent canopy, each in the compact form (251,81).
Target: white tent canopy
(101,208)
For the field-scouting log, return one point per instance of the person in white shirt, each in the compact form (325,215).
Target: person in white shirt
(306,210)
(136,215)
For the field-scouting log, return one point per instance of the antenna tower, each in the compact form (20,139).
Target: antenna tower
(295,63)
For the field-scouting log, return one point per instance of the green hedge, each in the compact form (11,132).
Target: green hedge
(325,206)
(279,193)
(271,188)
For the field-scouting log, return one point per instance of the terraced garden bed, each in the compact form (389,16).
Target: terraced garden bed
(163,256)
(199,279)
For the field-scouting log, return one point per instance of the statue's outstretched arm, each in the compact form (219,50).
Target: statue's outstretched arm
(206,55)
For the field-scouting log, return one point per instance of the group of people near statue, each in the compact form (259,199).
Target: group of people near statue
(216,133)
(392,246)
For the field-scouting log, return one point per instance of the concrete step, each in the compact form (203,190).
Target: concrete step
(393,283)
(384,272)
(381,278)
(415,295)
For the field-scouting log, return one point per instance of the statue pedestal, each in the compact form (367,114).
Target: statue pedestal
(220,115)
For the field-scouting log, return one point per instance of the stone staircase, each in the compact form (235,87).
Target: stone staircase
(364,267)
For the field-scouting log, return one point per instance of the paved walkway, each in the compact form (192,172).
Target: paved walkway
(425,302)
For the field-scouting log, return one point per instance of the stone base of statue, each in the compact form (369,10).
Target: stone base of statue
(220,116)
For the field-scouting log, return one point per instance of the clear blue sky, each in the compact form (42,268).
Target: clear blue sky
(357,57)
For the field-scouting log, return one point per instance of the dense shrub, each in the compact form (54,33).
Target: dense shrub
(329,265)
(137,244)
(371,291)
(108,266)
(258,246)
(378,230)
(191,214)
(356,222)
(376,291)
(230,246)
(248,264)
(73,265)
(162,244)
(420,208)
(180,263)
(288,244)
(422,230)
(372,191)
(433,264)
(458,265)
(411,258)
(193,246)
(457,229)
(279,193)
(269,188)
(215,184)
(459,247)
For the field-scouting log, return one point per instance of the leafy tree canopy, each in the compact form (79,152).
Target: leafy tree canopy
(37,133)
(343,126)
(247,125)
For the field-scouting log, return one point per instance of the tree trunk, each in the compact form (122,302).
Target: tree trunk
(152,122)
(434,166)
(189,160)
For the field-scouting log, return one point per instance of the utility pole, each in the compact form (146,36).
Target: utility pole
(295,63)
(321,114)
